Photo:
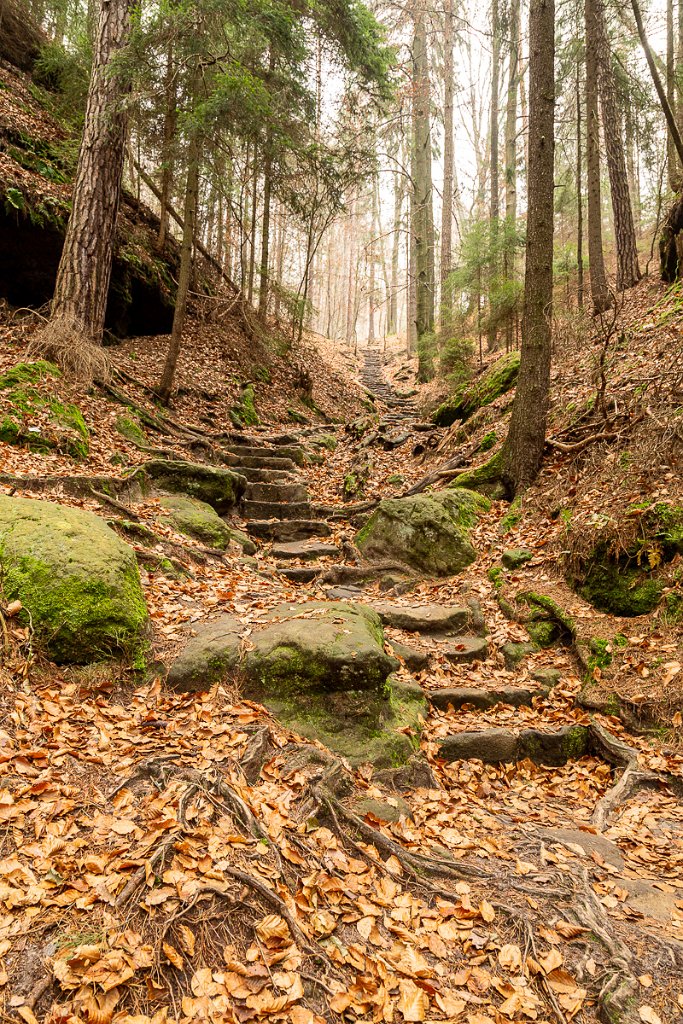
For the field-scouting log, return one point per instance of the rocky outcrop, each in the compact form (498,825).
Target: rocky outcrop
(428,532)
(77,581)
(321,669)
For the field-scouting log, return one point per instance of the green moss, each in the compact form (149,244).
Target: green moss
(543,608)
(325,441)
(512,517)
(244,412)
(395,479)
(9,430)
(468,398)
(619,587)
(575,743)
(544,633)
(297,417)
(672,614)
(75,578)
(495,575)
(486,478)
(129,427)
(488,441)
(28,373)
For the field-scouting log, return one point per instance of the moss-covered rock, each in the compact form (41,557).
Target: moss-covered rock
(76,579)
(621,589)
(485,479)
(632,582)
(196,519)
(130,428)
(429,532)
(244,413)
(494,382)
(218,487)
(33,415)
(322,670)
(514,558)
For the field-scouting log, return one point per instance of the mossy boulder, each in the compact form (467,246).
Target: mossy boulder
(321,669)
(514,558)
(620,588)
(77,581)
(196,519)
(220,488)
(428,532)
(33,415)
(497,380)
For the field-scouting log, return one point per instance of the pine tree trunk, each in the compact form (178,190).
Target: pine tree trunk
(628,271)
(80,298)
(511,164)
(448,165)
(579,194)
(392,325)
(600,293)
(170,122)
(423,214)
(523,449)
(185,275)
(494,212)
(672,163)
(265,228)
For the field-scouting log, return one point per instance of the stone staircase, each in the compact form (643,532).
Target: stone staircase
(401,408)
(276,503)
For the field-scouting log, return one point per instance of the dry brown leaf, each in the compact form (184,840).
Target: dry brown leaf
(413,1002)
(648,1015)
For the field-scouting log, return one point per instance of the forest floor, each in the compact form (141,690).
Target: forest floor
(184,857)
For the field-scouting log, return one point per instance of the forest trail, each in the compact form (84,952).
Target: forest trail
(492,851)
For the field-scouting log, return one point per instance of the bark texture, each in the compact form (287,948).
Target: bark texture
(600,293)
(80,298)
(628,271)
(423,213)
(523,449)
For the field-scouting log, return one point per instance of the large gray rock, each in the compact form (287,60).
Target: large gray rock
(218,487)
(321,669)
(78,581)
(428,532)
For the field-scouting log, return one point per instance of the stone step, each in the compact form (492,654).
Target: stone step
(276,492)
(483,697)
(306,552)
(429,618)
(299,573)
(275,509)
(502,746)
(294,453)
(262,462)
(267,476)
(288,529)
(466,650)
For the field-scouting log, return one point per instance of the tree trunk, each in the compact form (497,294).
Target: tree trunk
(170,122)
(511,164)
(657,82)
(423,214)
(671,161)
(80,298)
(628,271)
(494,213)
(265,227)
(448,164)
(185,275)
(392,325)
(579,193)
(523,449)
(600,293)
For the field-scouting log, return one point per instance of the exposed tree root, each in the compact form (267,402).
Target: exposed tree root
(65,342)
